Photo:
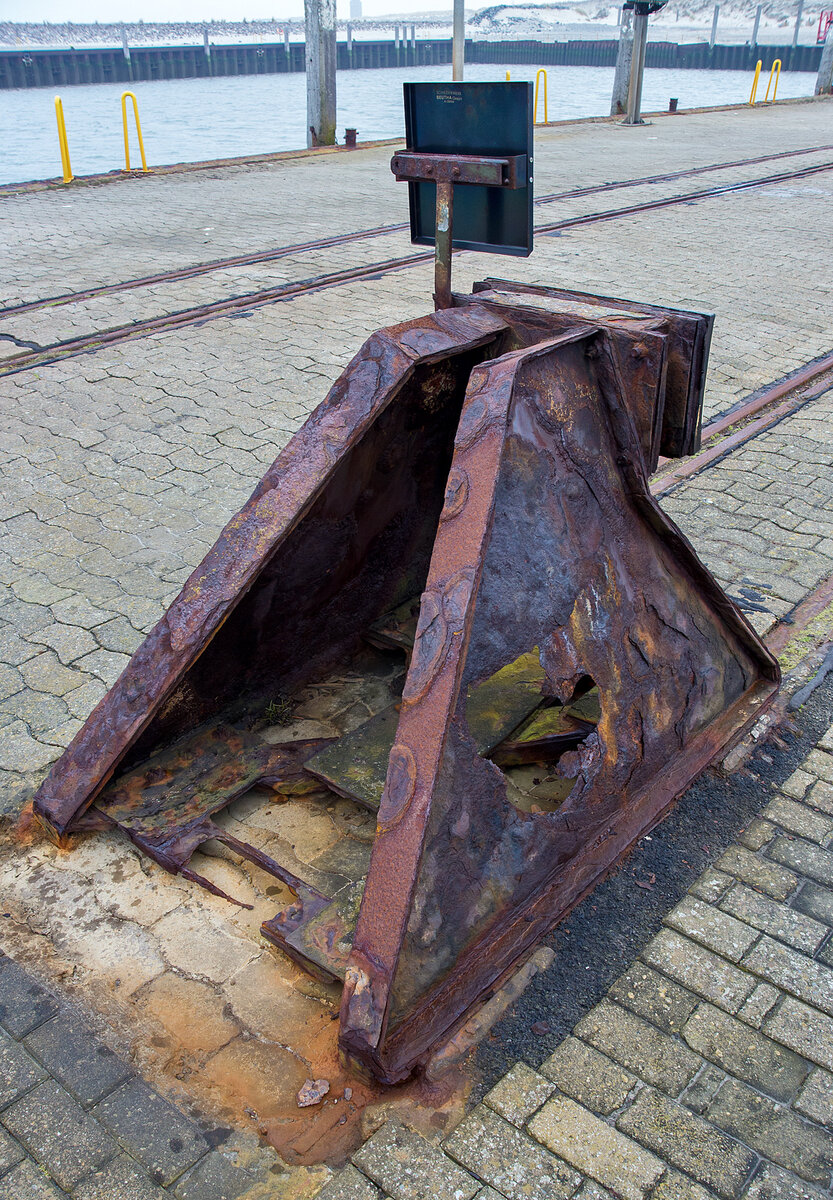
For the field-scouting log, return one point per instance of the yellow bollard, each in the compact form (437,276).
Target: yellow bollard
(62,141)
(507,77)
(138,130)
(754,91)
(777,74)
(537,81)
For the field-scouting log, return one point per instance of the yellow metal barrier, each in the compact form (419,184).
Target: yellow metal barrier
(62,140)
(138,130)
(537,81)
(754,91)
(777,74)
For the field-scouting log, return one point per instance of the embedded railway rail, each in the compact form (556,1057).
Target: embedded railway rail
(721,436)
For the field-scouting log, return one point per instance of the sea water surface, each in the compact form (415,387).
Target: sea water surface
(191,120)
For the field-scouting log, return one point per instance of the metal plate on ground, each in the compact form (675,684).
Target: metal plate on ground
(473,118)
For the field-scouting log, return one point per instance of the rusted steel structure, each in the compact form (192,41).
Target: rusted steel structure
(466,518)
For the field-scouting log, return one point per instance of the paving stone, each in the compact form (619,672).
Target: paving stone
(819,763)
(799,819)
(792,971)
(518,1167)
(588,1076)
(710,886)
(825,955)
(407,1167)
(215,1177)
(688,1142)
(151,1130)
(702,1089)
(674,1186)
(698,969)
(24,1004)
(758,872)
(590,1190)
(803,1029)
(649,1053)
(803,858)
(761,1002)
(594,1148)
(350,1184)
(775,1132)
(655,997)
(120,1179)
(774,1183)
(28,1182)
(68,1142)
(757,834)
(821,797)
(712,928)
(76,1058)
(18,1070)
(816,1098)
(519,1094)
(797,784)
(769,916)
(11,1152)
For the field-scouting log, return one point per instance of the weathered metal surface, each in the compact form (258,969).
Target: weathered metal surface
(689,338)
(509,171)
(559,546)
(472,500)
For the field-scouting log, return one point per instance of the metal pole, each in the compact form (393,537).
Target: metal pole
(413,37)
(824,79)
(714,25)
(640,38)
(798,22)
(758,12)
(320,58)
(442,244)
(458,48)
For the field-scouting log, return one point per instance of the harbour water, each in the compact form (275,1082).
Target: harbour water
(189,120)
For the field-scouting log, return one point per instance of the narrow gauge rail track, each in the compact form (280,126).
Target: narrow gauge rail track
(89,343)
(272,255)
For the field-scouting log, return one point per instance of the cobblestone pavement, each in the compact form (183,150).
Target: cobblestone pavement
(121,466)
(76,1120)
(707,1071)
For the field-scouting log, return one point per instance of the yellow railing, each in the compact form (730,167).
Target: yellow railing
(62,140)
(537,82)
(777,74)
(754,91)
(138,130)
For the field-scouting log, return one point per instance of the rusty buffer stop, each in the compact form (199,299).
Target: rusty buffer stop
(464,532)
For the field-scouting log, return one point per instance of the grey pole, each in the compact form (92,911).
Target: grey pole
(619,99)
(640,39)
(458,47)
(798,22)
(413,37)
(758,12)
(126,52)
(320,58)
(824,79)
(714,24)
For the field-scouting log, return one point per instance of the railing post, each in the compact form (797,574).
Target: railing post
(62,141)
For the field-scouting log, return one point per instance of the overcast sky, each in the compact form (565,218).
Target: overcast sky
(59,11)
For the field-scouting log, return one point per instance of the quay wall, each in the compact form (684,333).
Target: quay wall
(23,68)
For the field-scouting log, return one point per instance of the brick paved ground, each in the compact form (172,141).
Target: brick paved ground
(706,1072)
(121,466)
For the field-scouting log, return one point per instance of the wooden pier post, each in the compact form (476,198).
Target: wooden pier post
(824,79)
(320,23)
(621,79)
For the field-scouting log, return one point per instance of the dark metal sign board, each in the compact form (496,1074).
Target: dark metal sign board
(486,119)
